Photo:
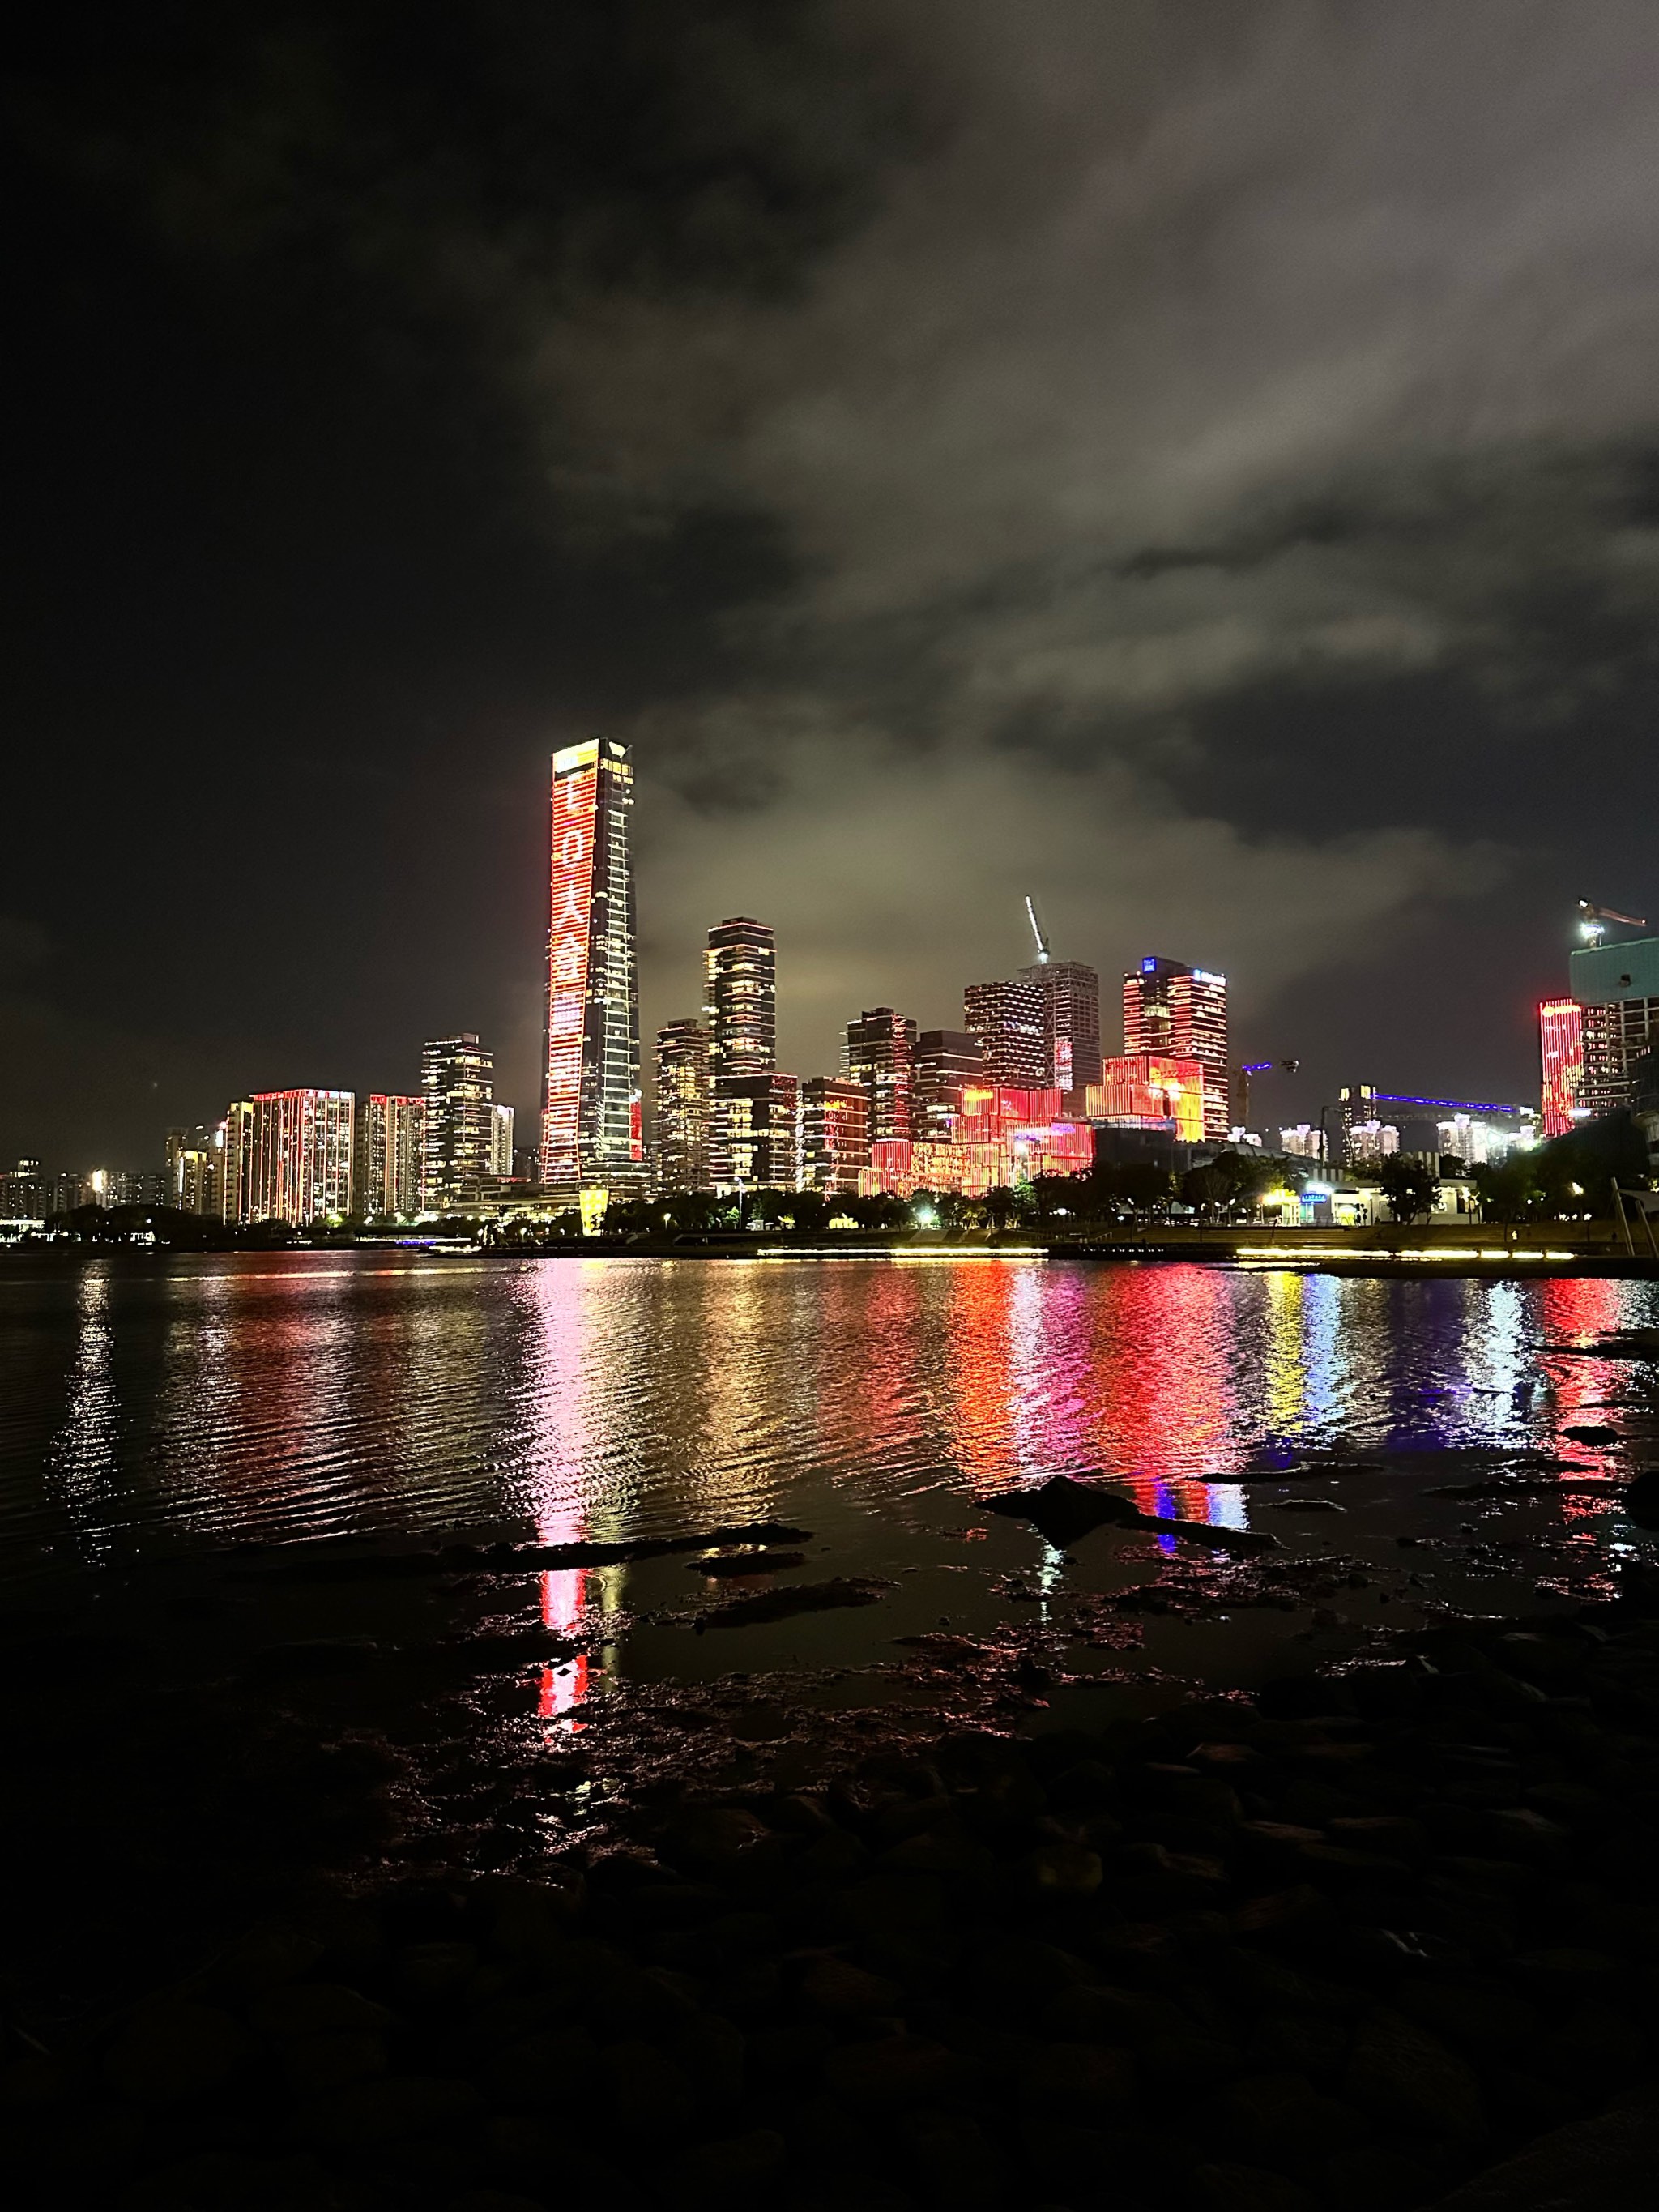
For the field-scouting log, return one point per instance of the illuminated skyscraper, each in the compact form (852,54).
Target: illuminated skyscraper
(1177,1013)
(390,1169)
(947,1063)
(758,1118)
(1069,992)
(1008,1020)
(1617,985)
(236,1176)
(835,1124)
(740,998)
(591,1136)
(500,1141)
(457,1082)
(881,1055)
(740,1005)
(682,1106)
(1561,1062)
(301,1155)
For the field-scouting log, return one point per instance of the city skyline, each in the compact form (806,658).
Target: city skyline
(1231,559)
(729,1119)
(915,1110)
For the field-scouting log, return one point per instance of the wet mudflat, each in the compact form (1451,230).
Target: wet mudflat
(1281,1838)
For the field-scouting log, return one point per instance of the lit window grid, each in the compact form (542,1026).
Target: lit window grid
(302,1155)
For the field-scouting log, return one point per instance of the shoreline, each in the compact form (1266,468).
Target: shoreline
(1361,1254)
(1352,1939)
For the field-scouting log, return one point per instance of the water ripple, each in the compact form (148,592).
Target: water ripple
(154,1402)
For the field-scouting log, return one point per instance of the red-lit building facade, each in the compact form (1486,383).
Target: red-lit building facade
(301,1166)
(1004,1135)
(591,1136)
(1561,1062)
(1146,1091)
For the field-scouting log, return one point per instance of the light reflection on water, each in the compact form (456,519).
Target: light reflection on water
(150,1404)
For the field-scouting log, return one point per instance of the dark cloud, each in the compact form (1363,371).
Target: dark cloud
(1195,462)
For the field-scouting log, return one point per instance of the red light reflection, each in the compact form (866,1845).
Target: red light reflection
(1127,1371)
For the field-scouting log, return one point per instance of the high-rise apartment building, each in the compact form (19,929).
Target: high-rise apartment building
(389,1173)
(1069,992)
(194,1169)
(21,1192)
(301,1168)
(500,1141)
(458,1083)
(757,1119)
(1009,1021)
(1367,1133)
(881,1055)
(592,1133)
(834,1134)
(948,1062)
(1178,1013)
(30,1193)
(681,1153)
(1561,1064)
(236,1174)
(740,1005)
(1369,1140)
(1618,987)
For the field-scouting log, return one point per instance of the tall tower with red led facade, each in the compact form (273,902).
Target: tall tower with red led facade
(590,1132)
(1560,1062)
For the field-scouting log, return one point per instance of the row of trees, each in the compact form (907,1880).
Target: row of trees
(1573,1175)
(1109,1193)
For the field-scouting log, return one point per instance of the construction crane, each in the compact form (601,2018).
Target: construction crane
(1257,1067)
(1593,920)
(1037,932)
(1457,1105)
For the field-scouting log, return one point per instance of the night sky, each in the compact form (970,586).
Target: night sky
(1197,462)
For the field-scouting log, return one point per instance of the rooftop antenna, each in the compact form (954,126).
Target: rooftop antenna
(1037,932)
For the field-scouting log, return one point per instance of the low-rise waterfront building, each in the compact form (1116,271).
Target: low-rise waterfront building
(1004,1135)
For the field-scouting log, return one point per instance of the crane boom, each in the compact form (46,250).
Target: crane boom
(1037,932)
(1593,919)
(1458,1105)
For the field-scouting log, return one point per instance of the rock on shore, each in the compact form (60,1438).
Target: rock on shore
(1368,1941)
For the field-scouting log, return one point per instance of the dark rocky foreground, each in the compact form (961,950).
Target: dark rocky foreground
(1368,1941)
